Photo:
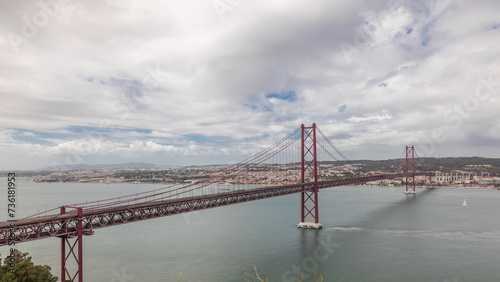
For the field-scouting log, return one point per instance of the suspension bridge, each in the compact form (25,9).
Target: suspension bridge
(296,159)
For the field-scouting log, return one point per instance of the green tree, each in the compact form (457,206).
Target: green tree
(25,270)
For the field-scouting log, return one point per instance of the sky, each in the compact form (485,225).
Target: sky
(202,82)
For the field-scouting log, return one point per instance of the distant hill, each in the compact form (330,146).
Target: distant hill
(472,164)
(99,166)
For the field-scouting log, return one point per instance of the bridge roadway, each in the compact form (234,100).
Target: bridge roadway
(58,225)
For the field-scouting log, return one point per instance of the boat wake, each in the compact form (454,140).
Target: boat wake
(463,236)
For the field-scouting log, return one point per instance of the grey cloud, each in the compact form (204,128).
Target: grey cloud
(176,69)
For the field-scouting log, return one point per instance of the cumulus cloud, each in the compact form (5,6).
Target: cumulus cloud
(109,79)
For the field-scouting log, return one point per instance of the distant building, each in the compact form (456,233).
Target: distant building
(459,177)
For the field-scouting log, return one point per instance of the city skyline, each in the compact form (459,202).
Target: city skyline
(193,83)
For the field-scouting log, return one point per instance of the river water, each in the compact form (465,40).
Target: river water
(370,234)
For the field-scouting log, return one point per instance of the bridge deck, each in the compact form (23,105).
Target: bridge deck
(58,225)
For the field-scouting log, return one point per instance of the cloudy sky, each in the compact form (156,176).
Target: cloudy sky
(197,82)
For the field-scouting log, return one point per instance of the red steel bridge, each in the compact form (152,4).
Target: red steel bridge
(297,160)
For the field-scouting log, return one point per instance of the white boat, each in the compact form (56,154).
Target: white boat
(464,204)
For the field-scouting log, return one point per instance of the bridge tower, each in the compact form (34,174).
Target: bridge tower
(309,208)
(410,170)
(74,243)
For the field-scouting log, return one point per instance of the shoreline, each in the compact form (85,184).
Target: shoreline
(269,184)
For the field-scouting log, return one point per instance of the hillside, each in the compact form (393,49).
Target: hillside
(471,164)
(491,165)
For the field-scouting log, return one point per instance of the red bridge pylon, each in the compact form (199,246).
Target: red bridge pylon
(410,170)
(309,171)
(75,248)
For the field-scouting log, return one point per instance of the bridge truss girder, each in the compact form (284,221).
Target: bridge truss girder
(60,225)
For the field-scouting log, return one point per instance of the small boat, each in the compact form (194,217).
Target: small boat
(464,204)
